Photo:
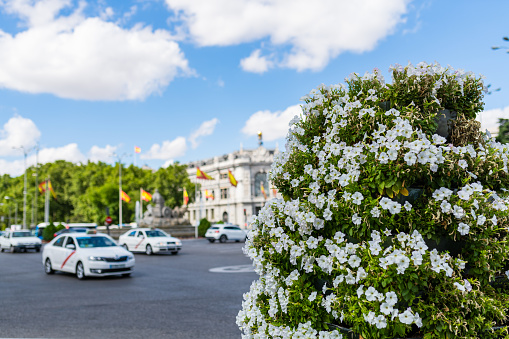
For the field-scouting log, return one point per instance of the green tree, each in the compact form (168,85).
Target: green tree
(503,131)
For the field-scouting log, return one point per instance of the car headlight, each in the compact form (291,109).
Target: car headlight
(178,242)
(161,243)
(130,257)
(92,258)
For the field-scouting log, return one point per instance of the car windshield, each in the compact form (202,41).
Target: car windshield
(155,234)
(89,242)
(21,234)
(77,230)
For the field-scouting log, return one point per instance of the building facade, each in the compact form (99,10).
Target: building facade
(218,199)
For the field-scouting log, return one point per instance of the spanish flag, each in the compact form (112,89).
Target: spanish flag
(233,181)
(124,196)
(42,188)
(186,197)
(263,190)
(145,195)
(202,175)
(209,195)
(137,149)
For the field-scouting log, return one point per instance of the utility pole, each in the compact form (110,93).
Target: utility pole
(119,159)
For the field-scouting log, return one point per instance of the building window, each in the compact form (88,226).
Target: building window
(224,193)
(194,215)
(224,175)
(261,179)
(211,214)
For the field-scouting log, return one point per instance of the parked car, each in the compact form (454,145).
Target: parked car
(86,255)
(224,232)
(150,241)
(19,241)
(71,230)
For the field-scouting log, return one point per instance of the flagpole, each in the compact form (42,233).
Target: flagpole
(141,204)
(46,202)
(195,203)
(120,193)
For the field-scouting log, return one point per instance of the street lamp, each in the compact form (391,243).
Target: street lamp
(25,152)
(119,159)
(9,198)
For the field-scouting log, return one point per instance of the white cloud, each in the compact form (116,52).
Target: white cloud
(68,152)
(489,119)
(272,125)
(168,150)
(305,35)
(256,63)
(103,154)
(206,128)
(18,131)
(85,58)
(13,168)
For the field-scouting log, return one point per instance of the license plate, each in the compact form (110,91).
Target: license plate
(117,266)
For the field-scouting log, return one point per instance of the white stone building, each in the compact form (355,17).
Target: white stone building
(232,204)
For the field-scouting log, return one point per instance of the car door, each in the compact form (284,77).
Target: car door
(4,240)
(56,253)
(130,240)
(139,241)
(68,255)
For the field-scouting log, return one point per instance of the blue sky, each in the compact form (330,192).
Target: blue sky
(191,79)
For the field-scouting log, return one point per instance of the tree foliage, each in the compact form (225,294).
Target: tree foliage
(84,191)
(503,131)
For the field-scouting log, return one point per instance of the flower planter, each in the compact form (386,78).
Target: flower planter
(443,121)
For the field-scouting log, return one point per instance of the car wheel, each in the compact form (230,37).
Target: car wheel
(175,252)
(37,249)
(212,240)
(80,271)
(222,238)
(148,250)
(13,249)
(1,249)
(125,246)
(126,275)
(47,267)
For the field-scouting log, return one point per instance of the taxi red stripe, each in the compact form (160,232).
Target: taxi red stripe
(139,243)
(70,255)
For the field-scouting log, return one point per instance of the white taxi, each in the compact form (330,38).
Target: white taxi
(19,241)
(86,255)
(150,241)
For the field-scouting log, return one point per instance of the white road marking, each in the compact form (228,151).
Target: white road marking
(233,269)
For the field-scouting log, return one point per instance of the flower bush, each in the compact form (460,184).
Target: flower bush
(350,245)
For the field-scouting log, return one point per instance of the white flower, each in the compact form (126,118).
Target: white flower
(395,208)
(354,261)
(375,212)
(371,294)
(437,139)
(408,206)
(327,214)
(445,206)
(356,219)
(360,291)
(406,317)
(386,308)
(458,212)
(507,273)
(383,157)
(385,203)
(459,287)
(380,322)
(494,220)
(481,220)
(464,195)
(410,158)
(357,198)
(463,228)
(312,296)
(391,298)
(462,163)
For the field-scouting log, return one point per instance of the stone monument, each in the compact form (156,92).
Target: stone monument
(162,216)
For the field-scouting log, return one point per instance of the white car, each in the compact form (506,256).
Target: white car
(224,232)
(150,241)
(19,241)
(86,255)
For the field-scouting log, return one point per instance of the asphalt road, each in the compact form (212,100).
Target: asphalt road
(166,296)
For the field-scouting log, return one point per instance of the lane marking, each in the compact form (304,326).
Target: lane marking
(233,269)
(70,255)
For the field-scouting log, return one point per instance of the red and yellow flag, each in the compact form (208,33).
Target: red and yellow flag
(233,181)
(137,149)
(209,195)
(124,196)
(42,188)
(145,195)
(202,175)
(263,190)
(186,197)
